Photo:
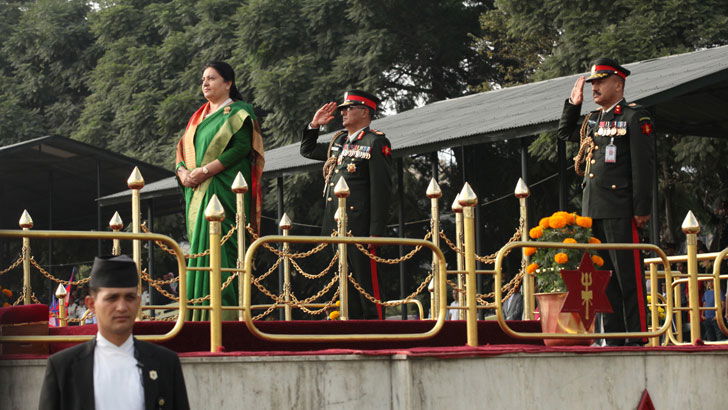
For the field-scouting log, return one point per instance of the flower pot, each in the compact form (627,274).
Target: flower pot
(555,321)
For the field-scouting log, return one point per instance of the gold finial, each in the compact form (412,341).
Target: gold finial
(135,181)
(240,185)
(522,189)
(467,197)
(214,210)
(336,214)
(61,291)
(285,222)
(433,190)
(690,224)
(116,223)
(25,220)
(456,207)
(341,190)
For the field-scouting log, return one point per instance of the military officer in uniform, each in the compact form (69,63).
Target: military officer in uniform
(616,158)
(363,156)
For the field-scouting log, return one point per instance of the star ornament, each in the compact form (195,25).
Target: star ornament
(586,291)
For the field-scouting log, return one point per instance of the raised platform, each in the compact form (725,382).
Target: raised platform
(495,376)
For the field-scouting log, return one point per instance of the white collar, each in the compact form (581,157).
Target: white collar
(126,347)
(612,107)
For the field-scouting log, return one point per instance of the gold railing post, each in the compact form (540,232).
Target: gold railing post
(341,190)
(460,259)
(678,313)
(116,224)
(215,214)
(691,227)
(285,226)
(136,183)
(654,314)
(468,200)
(61,296)
(434,193)
(522,192)
(240,187)
(26,222)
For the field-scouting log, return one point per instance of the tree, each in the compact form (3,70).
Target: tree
(632,31)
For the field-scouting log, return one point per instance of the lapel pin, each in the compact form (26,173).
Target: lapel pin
(153,374)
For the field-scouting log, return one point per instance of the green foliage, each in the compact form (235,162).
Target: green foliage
(546,260)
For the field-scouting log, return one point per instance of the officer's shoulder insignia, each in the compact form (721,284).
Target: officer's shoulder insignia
(339,133)
(386,150)
(646,126)
(376,131)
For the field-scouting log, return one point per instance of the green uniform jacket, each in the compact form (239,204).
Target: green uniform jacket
(366,164)
(624,188)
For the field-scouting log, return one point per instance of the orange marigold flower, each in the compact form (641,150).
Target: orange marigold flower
(8,292)
(535,232)
(334,315)
(530,269)
(529,250)
(597,260)
(6,304)
(569,240)
(562,214)
(584,221)
(594,240)
(557,221)
(544,222)
(561,258)
(571,219)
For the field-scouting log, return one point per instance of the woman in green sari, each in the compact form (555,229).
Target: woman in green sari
(222,138)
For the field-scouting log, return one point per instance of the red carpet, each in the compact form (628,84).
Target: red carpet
(194,339)
(195,336)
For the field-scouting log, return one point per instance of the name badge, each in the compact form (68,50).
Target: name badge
(610,153)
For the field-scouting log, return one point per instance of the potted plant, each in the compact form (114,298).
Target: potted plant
(546,265)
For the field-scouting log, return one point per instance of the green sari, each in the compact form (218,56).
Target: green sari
(226,135)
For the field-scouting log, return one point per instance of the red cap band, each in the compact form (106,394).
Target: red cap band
(609,68)
(369,103)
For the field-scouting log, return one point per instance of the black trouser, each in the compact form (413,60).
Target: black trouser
(359,306)
(624,291)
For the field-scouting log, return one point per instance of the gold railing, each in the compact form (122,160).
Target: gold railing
(463,246)
(27,235)
(653,334)
(248,279)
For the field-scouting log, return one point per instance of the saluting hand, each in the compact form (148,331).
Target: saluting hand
(324,115)
(577,93)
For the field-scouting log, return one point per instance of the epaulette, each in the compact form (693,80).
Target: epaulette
(338,134)
(376,131)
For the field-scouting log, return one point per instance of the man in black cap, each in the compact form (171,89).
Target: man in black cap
(363,156)
(114,370)
(616,158)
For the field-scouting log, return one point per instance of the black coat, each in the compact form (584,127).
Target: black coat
(366,164)
(622,189)
(69,378)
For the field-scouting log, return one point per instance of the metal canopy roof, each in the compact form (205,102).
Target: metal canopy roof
(687,93)
(61,175)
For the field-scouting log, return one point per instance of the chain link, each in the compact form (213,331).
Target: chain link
(488,259)
(318,275)
(12,265)
(165,248)
(392,261)
(374,300)
(282,254)
(267,312)
(55,279)
(314,312)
